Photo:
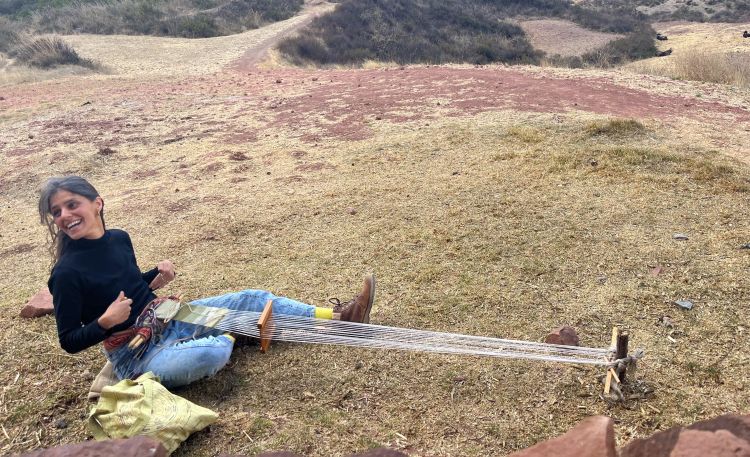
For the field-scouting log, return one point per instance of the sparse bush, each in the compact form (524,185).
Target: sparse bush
(406,31)
(9,35)
(635,46)
(615,128)
(732,68)
(48,53)
(184,18)
(198,26)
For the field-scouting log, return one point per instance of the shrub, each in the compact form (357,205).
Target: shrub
(198,26)
(615,128)
(49,53)
(9,36)
(407,31)
(634,46)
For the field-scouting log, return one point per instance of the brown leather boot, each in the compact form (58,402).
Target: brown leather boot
(358,308)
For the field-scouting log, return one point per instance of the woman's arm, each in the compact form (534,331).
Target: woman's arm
(165,275)
(68,301)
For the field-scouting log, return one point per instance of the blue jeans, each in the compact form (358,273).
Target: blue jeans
(185,353)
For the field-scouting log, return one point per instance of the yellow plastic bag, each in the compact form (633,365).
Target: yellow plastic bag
(145,407)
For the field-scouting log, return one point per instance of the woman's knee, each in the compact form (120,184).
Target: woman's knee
(190,361)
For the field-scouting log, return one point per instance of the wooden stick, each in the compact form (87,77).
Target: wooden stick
(265,325)
(608,382)
(622,352)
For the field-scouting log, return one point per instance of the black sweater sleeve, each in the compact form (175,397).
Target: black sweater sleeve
(74,337)
(149,275)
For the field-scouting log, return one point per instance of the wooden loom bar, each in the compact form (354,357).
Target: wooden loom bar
(622,352)
(265,326)
(608,382)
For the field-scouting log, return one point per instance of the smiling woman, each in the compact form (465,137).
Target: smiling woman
(100,295)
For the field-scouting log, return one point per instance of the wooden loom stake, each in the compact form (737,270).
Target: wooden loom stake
(608,382)
(265,325)
(622,352)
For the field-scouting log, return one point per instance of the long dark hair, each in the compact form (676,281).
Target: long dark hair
(74,184)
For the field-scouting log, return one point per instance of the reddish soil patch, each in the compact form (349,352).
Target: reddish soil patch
(344,103)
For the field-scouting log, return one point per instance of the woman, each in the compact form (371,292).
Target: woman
(99,293)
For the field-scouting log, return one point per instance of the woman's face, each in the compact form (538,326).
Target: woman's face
(76,215)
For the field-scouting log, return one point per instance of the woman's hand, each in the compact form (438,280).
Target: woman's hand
(165,276)
(117,312)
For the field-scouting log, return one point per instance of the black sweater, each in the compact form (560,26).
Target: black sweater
(87,279)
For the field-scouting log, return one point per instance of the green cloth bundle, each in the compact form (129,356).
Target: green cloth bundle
(145,407)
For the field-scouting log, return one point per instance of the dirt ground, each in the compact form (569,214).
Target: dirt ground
(565,38)
(498,201)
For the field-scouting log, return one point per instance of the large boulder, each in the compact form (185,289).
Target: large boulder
(138,446)
(592,437)
(727,435)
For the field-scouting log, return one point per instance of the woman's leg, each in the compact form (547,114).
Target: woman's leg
(179,363)
(255,300)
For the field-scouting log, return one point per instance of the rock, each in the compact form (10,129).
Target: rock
(720,443)
(39,305)
(680,237)
(745,246)
(351,211)
(684,304)
(61,423)
(138,446)
(657,270)
(666,321)
(726,435)
(592,437)
(565,335)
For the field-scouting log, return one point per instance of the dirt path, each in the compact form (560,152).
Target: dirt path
(255,54)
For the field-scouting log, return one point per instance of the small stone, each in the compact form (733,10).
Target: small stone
(2,98)
(61,423)
(684,304)
(680,237)
(657,270)
(351,211)
(455,173)
(377,118)
(359,365)
(593,162)
(308,395)
(31,136)
(39,305)
(565,335)
(278,81)
(745,246)
(666,321)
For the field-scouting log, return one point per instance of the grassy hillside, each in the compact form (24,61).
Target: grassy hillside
(690,10)
(439,31)
(183,18)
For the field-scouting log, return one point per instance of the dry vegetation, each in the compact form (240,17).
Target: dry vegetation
(714,53)
(499,224)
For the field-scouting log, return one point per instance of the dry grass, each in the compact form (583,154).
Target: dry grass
(499,224)
(711,67)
